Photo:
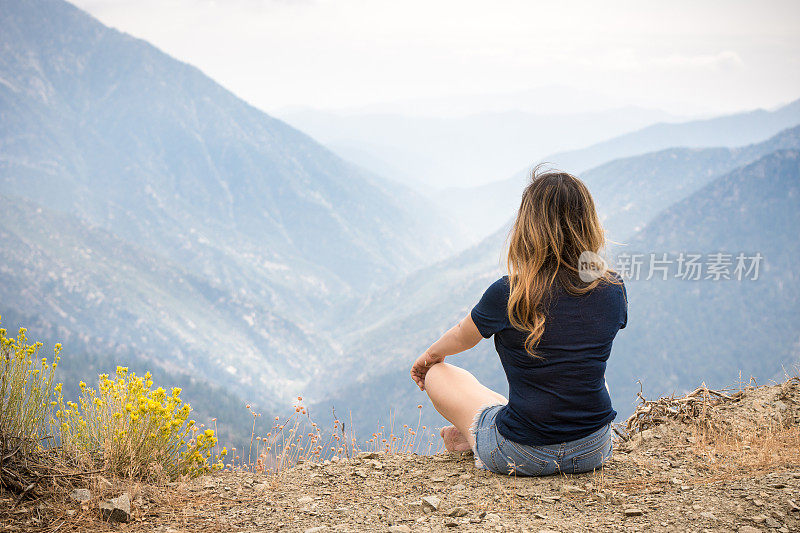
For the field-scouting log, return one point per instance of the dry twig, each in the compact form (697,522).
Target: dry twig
(691,407)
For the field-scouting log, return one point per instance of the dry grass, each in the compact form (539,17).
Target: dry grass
(297,438)
(720,432)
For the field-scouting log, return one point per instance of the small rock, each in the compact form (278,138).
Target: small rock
(304,500)
(675,481)
(793,507)
(317,529)
(550,499)
(117,509)
(540,516)
(709,515)
(456,512)
(458,486)
(771,522)
(758,503)
(360,473)
(633,511)
(465,476)
(430,503)
(572,489)
(415,506)
(758,519)
(401,528)
(80,495)
(491,517)
(437,479)
(749,529)
(451,522)
(367,455)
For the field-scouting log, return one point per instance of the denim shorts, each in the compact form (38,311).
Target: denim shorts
(497,454)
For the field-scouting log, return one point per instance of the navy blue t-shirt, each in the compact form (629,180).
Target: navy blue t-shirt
(560,396)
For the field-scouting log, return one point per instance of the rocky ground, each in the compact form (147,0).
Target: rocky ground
(735,468)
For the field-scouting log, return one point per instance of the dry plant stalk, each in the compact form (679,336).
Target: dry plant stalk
(692,407)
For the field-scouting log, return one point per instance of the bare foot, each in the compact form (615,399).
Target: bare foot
(454,441)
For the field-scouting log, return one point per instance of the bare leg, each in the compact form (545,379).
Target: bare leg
(458,396)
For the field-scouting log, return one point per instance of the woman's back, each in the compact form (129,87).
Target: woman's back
(558,394)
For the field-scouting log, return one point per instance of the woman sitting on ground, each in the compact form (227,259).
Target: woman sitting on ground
(553,322)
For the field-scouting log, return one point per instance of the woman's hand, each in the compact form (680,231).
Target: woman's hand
(460,337)
(421,366)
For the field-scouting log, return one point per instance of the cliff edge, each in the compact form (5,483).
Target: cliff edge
(708,461)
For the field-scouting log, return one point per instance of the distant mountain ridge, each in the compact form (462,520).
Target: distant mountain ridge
(484,209)
(629,191)
(430,153)
(729,130)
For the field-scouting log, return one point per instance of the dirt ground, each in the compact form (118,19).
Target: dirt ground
(737,469)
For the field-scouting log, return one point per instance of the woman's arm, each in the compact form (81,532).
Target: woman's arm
(457,339)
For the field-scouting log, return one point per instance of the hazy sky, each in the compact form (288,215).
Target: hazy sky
(687,57)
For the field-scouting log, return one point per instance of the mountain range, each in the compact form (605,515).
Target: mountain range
(152,219)
(104,126)
(481,210)
(147,204)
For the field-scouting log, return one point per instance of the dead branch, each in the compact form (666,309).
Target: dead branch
(691,407)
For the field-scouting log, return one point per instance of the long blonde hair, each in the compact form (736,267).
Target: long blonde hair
(556,222)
